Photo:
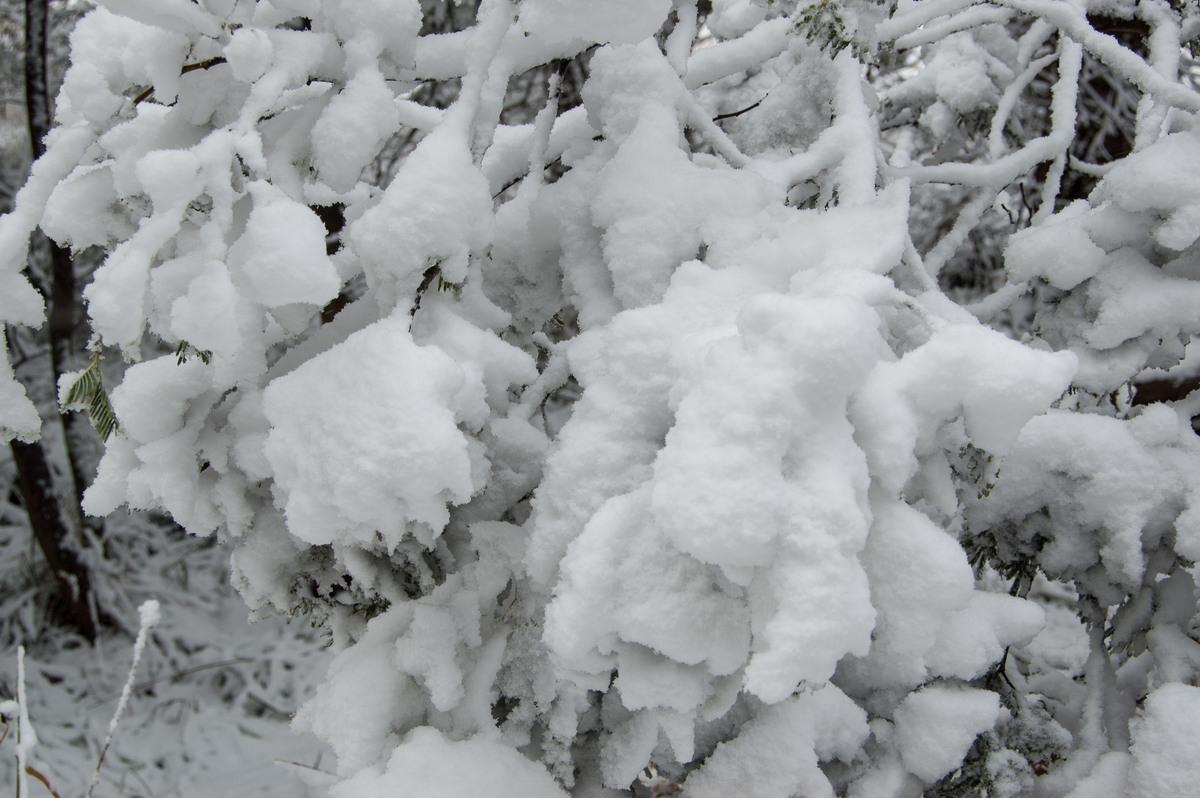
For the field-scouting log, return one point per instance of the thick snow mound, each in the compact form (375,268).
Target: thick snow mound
(364,438)
(427,765)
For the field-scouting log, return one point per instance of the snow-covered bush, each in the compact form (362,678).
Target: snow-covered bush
(641,441)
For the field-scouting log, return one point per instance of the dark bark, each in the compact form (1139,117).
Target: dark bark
(60,289)
(37,87)
(56,525)
(50,529)
(64,313)
(1165,390)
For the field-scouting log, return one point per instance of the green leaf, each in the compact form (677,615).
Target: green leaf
(87,392)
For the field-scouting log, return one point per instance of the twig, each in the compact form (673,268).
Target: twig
(269,707)
(519,178)
(180,674)
(313,768)
(142,781)
(149,614)
(206,64)
(426,281)
(26,736)
(32,771)
(732,114)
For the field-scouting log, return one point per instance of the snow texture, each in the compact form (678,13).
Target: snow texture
(426,764)
(936,725)
(656,432)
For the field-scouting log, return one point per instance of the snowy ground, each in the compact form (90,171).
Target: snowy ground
(213,694)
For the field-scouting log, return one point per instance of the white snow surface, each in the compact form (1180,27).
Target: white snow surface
(356,457)
(936,725)
(617,22)
(427,765)
(1160,766)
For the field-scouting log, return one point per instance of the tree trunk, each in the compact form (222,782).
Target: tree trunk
(54,523)
(63,291)
(50,530)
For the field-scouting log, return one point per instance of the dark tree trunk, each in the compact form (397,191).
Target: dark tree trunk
(37,88)
(50,530)
(62,292)
(56,525)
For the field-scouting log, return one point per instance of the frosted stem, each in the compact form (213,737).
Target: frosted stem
(149,615)
(1109,51)
(948,244)
(1164,45)
(679,44)
(26,736)
(857,171)
(1008,102)
(543,125)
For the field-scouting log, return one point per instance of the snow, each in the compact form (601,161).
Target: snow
(281,254)
(937,724)
(619,22)
(1160,766)
(1161,178)
(1108,778)
(376,25)
(427,765)
(1060,250)
(176,15)
(655,207)
(778,752)
(732,18)
(117,51)
(353,128)
(997,385)
(919,576)
(436,212)
(203,304)
(153,399)
(66,220)
(355,457)
(249,54)
(1134,298)
(1067,462)
(648,438)
(20,302)
(20,419)
(355,708)
(625,81)
(970,640)
(678,612)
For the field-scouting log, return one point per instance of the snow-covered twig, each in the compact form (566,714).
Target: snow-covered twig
(1008,101)
(149,615)
(702,123)
(913,17)
(1107,50)
(970,18)
(26,736)
(679,45)
(711,64)
(1165,49)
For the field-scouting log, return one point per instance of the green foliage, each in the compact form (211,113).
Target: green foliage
(184,350)
(978,468)
(834,25)
(824,25)
(88,393)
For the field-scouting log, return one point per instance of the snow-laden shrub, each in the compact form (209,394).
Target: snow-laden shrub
(767,551)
